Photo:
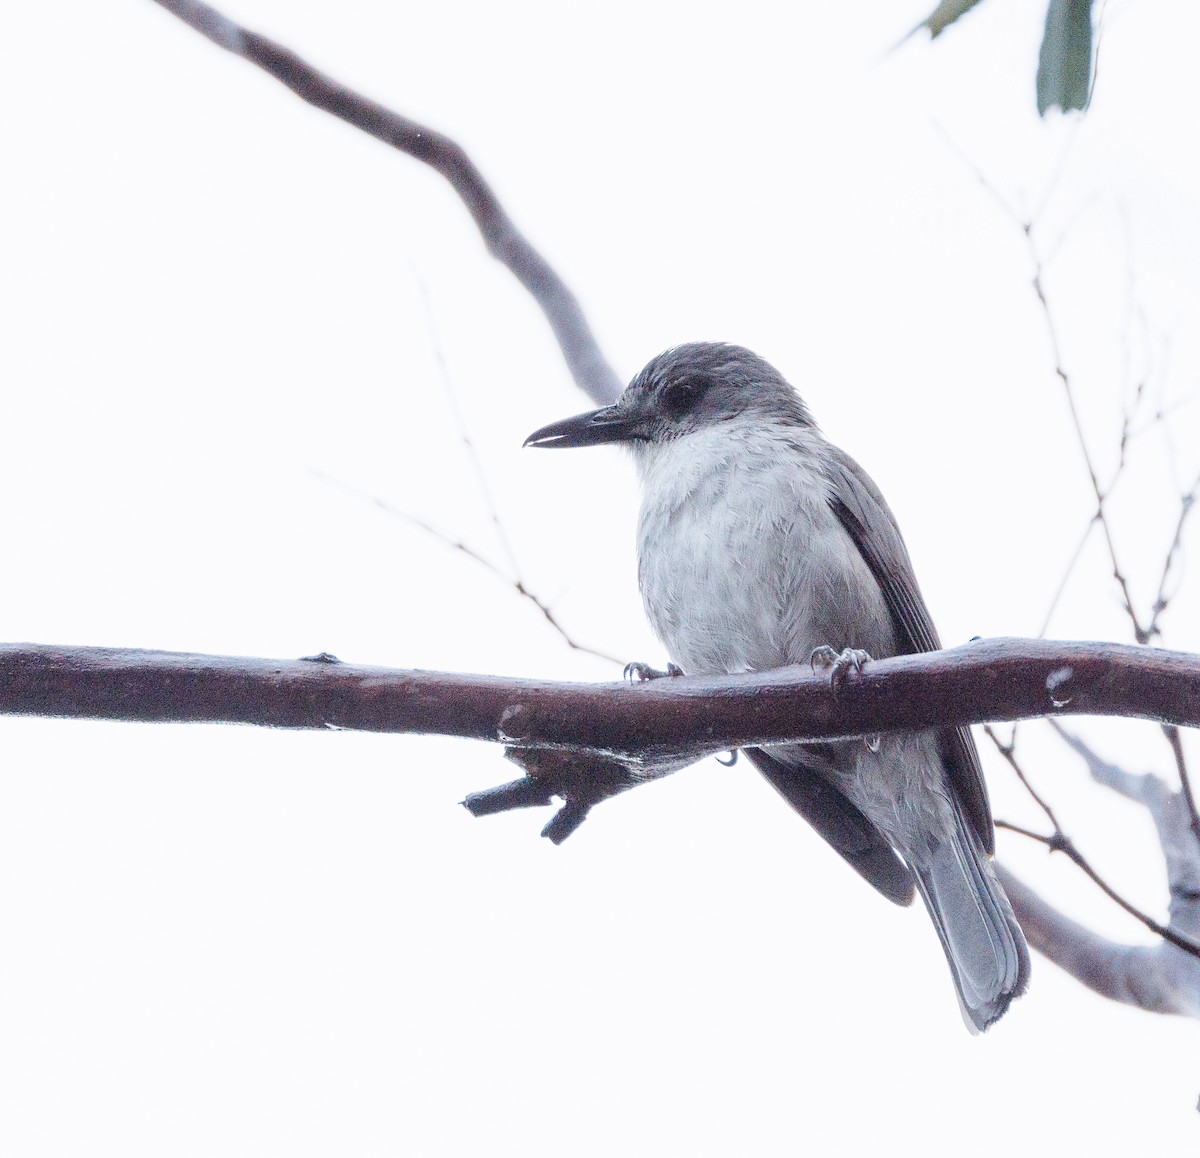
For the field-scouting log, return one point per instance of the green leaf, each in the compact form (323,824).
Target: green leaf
(945,14)
(1064,75)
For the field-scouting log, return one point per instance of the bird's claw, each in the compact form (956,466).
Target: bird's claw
(637,672)
(838,663)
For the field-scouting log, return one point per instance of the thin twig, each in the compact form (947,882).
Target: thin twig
(505,242)
(1051,251)
(1076,555)
(1064,377)
(1039,260)
(1101,27)
(1175,740)
(458,545)
(1058,842)
(460,426)
(1162,599)
(1008,751)
(1010,211)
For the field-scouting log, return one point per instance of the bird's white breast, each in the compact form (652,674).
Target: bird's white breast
(742,564)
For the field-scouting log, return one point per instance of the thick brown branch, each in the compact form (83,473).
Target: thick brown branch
(990,679)
(587,364)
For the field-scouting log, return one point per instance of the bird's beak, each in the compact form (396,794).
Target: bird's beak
(596,426)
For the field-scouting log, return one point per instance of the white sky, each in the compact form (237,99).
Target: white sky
(219,940)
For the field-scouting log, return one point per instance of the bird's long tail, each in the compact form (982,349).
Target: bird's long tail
(983,942)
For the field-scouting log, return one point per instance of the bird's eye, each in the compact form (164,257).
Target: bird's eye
(680,397)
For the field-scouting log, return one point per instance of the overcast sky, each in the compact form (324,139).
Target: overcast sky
(231,322)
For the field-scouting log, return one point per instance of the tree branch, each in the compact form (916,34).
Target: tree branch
(1001,679)
(515,582)
(1159,978)
(587,364)
(602,739)
(1059,842)
(1174,820)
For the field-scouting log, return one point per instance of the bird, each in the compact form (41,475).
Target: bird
(760,544)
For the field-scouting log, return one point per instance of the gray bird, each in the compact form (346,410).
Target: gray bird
(761,544)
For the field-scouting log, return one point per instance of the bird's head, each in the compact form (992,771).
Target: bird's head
(694,387)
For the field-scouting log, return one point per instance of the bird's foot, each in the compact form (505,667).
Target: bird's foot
(839,664)
(638,672)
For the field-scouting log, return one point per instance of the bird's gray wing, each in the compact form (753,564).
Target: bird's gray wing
(839,822)
(864,513)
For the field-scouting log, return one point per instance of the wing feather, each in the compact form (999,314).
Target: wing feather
(868,520)
(843,827)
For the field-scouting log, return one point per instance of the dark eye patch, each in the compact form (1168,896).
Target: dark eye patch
(682,396)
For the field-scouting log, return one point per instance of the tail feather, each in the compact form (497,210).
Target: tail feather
(982,940)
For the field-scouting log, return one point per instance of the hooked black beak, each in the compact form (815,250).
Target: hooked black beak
(607,424)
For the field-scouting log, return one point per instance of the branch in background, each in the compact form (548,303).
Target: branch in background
(517,584)
(1175,740)
(1156,978)
(468,443)
(513,575)
(1083,678)
(1159,978)
(1174,819)
(1026,223)
(1058,842)
(1163,978)
(587,364)
(1009,752)
(1061,589)
(1162,599)
(1101,495)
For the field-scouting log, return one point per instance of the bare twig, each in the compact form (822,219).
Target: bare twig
(1039,259)
(1008,751)
(454,544)
(1163,599)
(1060,842)
(1175,740)
(460,425)
(1101,516)
(1066,578)
(587,364)
(1173,817)
(514,576)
